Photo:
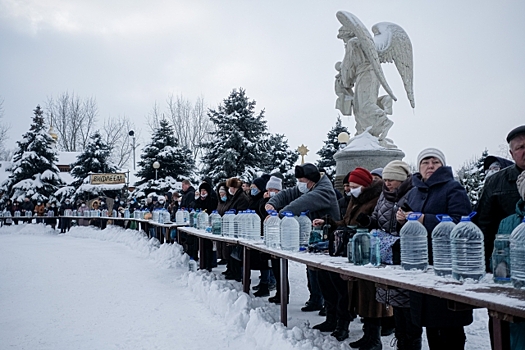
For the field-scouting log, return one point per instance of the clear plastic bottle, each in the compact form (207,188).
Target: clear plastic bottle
(155,215)
(228,228)
(272,231)
(414,244)
(179,217)
(468,251)
(253,223)
(126,213)
(501,259)
(216,223)
(192,265)
(305,228)
(237,225)
(375,248)
(192,217)
(186,216)
(289,232)
(441,245)
(517,256)
(361,247)
(203,219)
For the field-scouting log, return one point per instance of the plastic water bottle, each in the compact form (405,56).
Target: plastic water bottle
(155,215)
(414,244)
(289,233)
(186,216)
(361,247)
(253,226)
(216,223)
(272,231)
(501,259)
(237,225)
(441,246)
(179,217)
(126,214)
(375,248)
(517,256)
(468,252)
(227,223)
(17,213)
(192,217)
(305,228)
(203,219)
(192,265)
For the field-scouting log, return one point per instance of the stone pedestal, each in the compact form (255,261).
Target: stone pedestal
(349,159)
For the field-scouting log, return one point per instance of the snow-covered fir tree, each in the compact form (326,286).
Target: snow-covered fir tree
(238,142)
(282,159)
(34,173)
(331,145)
(472,177)
(94,159)
(176,161)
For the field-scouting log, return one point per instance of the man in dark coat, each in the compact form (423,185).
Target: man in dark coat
(188,195)
(498,200)
(436,192)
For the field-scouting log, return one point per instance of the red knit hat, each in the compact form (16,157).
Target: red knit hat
(361,176)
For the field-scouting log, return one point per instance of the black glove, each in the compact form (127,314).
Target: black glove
(363,220)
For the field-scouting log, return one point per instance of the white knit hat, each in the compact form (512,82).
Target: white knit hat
(274,183)
(396,170)
(431,152)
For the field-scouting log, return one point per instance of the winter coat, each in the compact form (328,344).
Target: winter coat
(221,205)
(188,198)
(440,194)
(319,201)
(343,204)
(498,200)
(257,203)
(239,201)
(65,207)
(209,203)
(26,206)
(40,209)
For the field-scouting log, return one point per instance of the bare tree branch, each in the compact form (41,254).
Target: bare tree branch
(4,128)
(115,133)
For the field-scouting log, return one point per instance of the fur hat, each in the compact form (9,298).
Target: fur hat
(205,186)
(234,182)
(431,152)
(274,183)
(361,176)
(396,170)
(308,171)
(260,182)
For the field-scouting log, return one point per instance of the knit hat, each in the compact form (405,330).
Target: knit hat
(346,179)
(361,176)
(396,170)
(222,189)
(205,186)
(431,152)
(378,172)
(515,132)
(308,171)
(234,182)
(521,184)
(260,182)
(274,183)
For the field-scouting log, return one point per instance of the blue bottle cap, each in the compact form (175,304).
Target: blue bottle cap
(444,218)
(414,216)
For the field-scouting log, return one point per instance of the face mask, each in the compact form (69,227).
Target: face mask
(83,204)
(121,202)
(356,192)
(67,202)
(302,186)
(224,198)
(204,195)
(272,194)
(52,205)
(101,203)
(230,191)
(38,203)
(254,191)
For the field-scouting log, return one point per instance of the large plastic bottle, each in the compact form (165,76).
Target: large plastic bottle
(468,251)
(216,223)
(305,228)
(186,216)
(414,244)
(500,259)
(289,232)
(517,256)
(375,248)
(441,246)
(253,226)
(237,229)
(227,223)
(203,220)
(192,217)
(179,217)
(272,231)
(361,247)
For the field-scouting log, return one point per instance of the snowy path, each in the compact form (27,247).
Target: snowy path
(114,289)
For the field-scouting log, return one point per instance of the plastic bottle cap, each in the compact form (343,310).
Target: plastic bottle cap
(414,216)
(444,218)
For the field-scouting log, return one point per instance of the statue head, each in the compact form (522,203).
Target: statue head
(345,34)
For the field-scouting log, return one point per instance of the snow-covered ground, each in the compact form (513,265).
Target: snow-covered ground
(114,289)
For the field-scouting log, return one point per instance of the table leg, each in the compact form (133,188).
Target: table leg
(202,261)
(284,291)
(246,271)
(496,330)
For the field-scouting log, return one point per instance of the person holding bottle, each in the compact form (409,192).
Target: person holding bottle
(435,192)
(338,292)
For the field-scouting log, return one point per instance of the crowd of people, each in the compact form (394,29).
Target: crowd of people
(380,199)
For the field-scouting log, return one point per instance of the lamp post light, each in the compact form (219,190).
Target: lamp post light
(343,138)
(132,135)
(156,166)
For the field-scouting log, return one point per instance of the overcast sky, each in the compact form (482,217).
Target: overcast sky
(469,79)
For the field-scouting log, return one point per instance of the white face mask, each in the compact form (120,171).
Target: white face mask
(231,191)
(356,191)
(302,187)
(272,194)
(204,195)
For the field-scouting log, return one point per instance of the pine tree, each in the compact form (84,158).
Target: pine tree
(331,145)
(282,159)
(34,173)
(472,177)
(94,159)
(237,143)
(175,161)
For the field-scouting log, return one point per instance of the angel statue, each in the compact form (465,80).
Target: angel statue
(360,75)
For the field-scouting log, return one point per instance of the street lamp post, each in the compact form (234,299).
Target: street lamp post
(132,135)
(343,139)
(156,166)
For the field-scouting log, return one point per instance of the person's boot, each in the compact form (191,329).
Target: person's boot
(341,330)
(310,306)
(413,343)
(262,291)
(327,326)
(374,338)
(388,326)
(364,339)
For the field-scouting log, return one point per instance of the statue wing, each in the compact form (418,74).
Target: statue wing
(393,45)
(367,45)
